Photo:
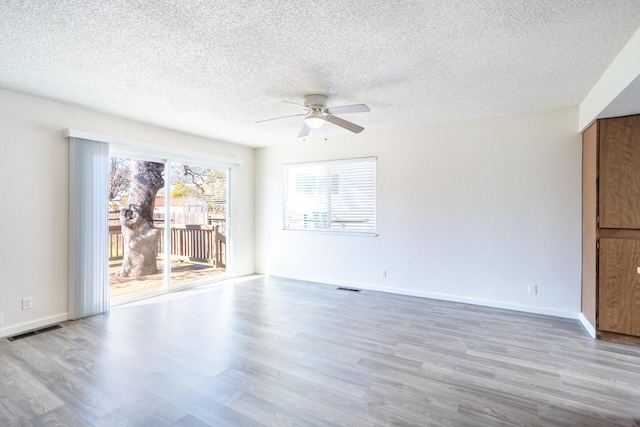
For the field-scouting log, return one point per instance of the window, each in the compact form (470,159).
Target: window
(332,196)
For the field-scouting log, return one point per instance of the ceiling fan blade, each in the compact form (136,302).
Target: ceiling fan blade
(283,117)
(344,109)
(294,103)
(345,124)
(304,131)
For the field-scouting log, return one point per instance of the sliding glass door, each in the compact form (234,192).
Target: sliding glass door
(198,218)
(167,226)
(134,233)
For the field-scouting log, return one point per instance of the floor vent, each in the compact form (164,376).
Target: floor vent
(349,289)
(34,332)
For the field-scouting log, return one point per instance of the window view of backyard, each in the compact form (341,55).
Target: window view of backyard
(147,238)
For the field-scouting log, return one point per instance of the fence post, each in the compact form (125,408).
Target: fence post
(216,253)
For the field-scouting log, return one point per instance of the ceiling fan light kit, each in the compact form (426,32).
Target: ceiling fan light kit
(317,114)
(315,120)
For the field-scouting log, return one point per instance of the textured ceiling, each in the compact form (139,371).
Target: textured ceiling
(213,68)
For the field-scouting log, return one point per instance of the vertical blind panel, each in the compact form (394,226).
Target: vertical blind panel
(88,228)
(330,196)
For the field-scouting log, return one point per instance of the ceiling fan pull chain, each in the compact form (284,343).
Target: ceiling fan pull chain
(325,130)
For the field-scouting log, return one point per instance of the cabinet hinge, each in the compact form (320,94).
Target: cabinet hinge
(597,321)
(598,245)
(598,219)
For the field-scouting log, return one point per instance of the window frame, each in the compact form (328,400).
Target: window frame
(335,174)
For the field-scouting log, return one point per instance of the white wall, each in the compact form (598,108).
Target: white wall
(616,91)
(34,174)
(472,211)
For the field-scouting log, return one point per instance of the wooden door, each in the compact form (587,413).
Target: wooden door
(619,286)
(620,172)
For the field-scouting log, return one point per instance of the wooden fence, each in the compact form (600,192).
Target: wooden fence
(199,243)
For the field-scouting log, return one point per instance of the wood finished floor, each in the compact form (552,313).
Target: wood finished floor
(276,352)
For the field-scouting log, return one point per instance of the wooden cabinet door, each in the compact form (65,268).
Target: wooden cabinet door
(619,286)
(619,205)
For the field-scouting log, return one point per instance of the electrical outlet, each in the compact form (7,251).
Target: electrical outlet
(533,289)
(1,319)
(27,303)
(383,273)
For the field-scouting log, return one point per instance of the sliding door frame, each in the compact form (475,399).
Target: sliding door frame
(166,155)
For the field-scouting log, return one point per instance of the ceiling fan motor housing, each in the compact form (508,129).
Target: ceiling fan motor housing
(311,100)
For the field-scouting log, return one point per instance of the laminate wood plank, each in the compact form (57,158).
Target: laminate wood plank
(340,352)
(217,388)
(392,410)
(494,413)
(191,401)
(317,377)
(62,416)
(434,397)
(124,417)
(129,366)
(274,388)
(561,397)
(264,413)
(270,351)
(87,401)
(337,369)
(618,394)
(275,349)
(581,416)
(176,393)
(223,415)
(358,406)
(286,393)
(189,421)
(28,396)
(332,415)
(132,397)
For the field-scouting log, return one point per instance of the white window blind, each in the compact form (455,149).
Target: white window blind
(88,228)
(332,196)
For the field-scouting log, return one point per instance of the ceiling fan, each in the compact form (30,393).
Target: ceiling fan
(317,114)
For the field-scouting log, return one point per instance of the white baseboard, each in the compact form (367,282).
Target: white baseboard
(483,302)
(20,328)
(242,273)
(440,296)
(587,326)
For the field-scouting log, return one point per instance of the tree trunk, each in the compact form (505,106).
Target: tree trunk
(140,238)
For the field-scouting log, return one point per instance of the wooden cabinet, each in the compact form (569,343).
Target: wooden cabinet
(611,225)
(619,141)
(619,286)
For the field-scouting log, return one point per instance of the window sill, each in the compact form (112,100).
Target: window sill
(335,232)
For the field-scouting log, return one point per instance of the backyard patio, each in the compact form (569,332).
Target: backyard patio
(181,272)
(197,252)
